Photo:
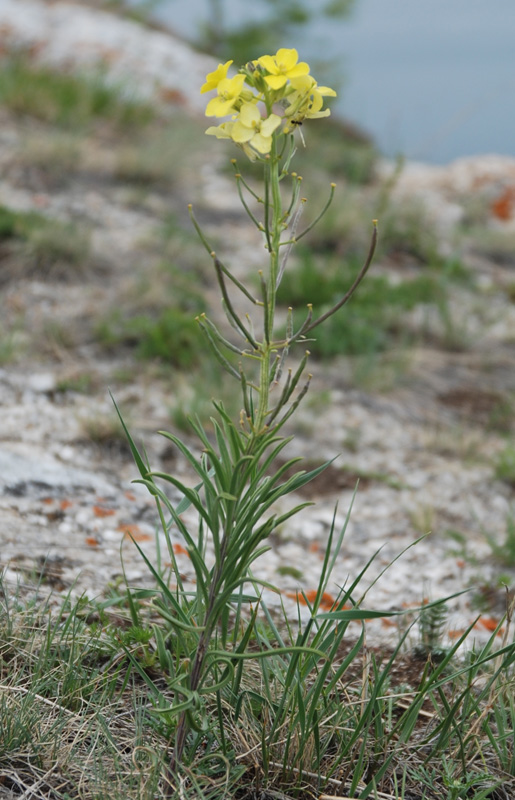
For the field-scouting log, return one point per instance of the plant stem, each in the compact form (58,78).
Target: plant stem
(210,622)
(266,350)
(274,240)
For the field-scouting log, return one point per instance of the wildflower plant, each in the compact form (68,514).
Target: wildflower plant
(246,702)
(209,632)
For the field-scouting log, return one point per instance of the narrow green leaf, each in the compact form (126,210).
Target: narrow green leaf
(362,613)
(143,468)
(227,496)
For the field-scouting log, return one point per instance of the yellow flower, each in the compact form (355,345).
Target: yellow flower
(214,78)
(229,91)
(307,99)
(282,67)
(222,131)
(252,129)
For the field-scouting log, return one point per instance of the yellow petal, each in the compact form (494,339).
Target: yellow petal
(302,83)
(317,103)
(319,114)
(222,131)
(268,63)
(276,81)
(263,144)
(326,91)
(231,87)
(269,125)
(286,59)
(240,133)
(249,115)
(217,107)
(299,69)
(214,78)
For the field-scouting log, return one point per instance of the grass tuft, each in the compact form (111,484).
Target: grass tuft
(81,689)
(65,99)
(505,465)
(35,246)
(172,336)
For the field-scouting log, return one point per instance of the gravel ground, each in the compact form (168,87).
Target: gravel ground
(424,451)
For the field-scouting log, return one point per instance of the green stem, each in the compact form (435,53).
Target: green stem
(274,239)
(277,215)
(210,622)
(264,391)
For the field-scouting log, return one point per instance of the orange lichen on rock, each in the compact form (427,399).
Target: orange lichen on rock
(504,206)
(172,96)
(134,532)
(99,511)
(490,624)
(387,623)
(179,550)
(327,601)
(455,634)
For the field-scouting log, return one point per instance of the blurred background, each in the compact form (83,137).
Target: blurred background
(433,81)
(102,146)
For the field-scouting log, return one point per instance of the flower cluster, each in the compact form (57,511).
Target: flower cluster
(269,95)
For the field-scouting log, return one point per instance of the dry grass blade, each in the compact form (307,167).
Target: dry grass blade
(23,690)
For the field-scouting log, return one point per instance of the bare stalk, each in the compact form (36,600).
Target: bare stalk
(363,271)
